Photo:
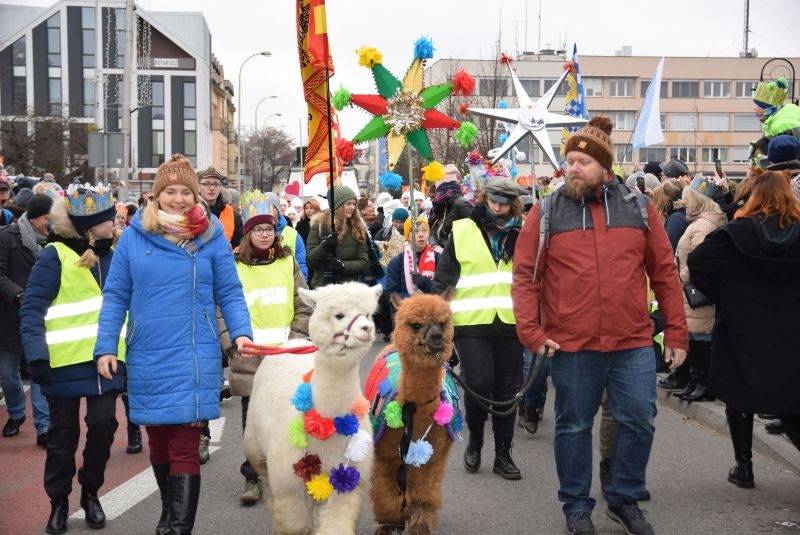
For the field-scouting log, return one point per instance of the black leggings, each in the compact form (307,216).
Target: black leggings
(492,367)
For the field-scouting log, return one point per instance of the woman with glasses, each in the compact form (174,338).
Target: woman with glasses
(270,277)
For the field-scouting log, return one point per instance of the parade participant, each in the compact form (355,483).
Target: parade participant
(371,218)
(289,236)
(6,217)
(171,268)
(310,209)
(477,260)
(291,217)
(400,278)
(349,242)
(58,324)
(776,117)
(270,278)
(676,168)
(750,269)
(210,181)
(704,216)
(20,243)
(587,267)
(448,205)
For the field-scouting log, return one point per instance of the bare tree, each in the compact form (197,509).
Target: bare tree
(272,155)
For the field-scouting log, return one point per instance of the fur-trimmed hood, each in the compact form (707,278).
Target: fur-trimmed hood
(60,223)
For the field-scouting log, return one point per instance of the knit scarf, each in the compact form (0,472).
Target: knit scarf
(30,238)
(426,265)
(795,183)
(444,193)
(187,226)
(502,234)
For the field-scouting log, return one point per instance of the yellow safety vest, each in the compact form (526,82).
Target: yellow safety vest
(71,320)
(269,293)
(484,287)
(289,238)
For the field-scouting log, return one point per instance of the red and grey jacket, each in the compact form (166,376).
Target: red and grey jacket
(590,291)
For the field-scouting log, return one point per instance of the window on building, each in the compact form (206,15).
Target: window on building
(683,122)
(493,87)
(562,89)
(623,154)
(745,88)
(54,96)
(620,87)
(685,89)
(593,87)
(54,40)
(715,122)
(20,95)
(653,154)
(532,87)
(534,154)
(119,18)
(556,153)
(157,113)
(623,120)
(746,122)
(663,122)
(715,153)
(716,89)
(18,52)
(741,154)
(88,37)
(19,88)
(190,121)
(684,154)
(88,97)
(646,84)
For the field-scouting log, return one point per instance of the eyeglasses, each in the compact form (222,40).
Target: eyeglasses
(263,231)
(211,185)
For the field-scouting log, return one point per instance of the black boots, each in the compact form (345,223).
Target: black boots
(11,429)
(134,432)
(530,419)
(472,455)
(95,517)
(59,511)
(740,425)
(161,472)
(183,493)
(503,463)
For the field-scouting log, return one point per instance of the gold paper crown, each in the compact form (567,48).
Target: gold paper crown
(87,200)
(254,203)
(772,92)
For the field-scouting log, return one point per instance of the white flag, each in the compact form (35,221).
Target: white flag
(648,125)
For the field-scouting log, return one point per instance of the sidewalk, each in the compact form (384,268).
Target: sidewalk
(711,414)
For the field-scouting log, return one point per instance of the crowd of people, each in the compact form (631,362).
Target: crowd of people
(597,280)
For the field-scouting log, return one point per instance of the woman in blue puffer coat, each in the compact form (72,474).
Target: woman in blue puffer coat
(171,268)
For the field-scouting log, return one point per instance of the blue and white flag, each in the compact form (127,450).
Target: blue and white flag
(575,97)
(648,126)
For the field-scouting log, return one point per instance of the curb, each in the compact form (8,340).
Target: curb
(711,414)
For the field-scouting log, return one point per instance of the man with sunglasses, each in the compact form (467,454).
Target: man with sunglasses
(211,183)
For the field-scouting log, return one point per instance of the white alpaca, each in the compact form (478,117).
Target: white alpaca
(341,327)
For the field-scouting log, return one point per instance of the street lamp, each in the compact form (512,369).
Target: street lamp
(255,124)
(239,105)
(270,117)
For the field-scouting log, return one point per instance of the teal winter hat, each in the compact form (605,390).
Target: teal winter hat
(342,194)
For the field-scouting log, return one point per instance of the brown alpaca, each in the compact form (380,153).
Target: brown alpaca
(423,337)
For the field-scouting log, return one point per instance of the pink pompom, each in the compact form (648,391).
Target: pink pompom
(443,414)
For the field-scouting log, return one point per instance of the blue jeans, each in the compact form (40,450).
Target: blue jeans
(536,395)
(580,379)
(15,393)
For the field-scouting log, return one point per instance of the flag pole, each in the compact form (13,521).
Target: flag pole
(330,277)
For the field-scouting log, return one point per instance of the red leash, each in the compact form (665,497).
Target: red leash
(256,350)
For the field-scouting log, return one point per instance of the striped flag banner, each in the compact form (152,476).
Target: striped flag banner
(576,96)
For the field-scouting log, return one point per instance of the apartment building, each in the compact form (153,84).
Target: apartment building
(706,103)
(223,129)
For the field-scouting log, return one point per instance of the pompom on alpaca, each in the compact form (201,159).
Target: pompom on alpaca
(312,444)
(423,340)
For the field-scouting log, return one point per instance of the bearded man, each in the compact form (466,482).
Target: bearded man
(580,295)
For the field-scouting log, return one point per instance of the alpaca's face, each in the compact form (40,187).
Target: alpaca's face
(341,324)
(423,331)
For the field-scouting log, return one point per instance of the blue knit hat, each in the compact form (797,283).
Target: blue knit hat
(783,153)
(399,214)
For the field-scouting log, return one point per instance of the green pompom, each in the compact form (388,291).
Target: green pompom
(466,134)
(341,98)
(394,415)
(297,433)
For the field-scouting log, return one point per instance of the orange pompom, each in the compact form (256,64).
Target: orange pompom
(318,426)
(360,407)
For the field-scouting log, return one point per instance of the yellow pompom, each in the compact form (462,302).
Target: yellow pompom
(319,487)
(368,56)
(433,171)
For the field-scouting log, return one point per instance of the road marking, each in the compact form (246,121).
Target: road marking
(216,427)
(118,500)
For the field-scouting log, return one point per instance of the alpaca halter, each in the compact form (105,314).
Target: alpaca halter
(346,331)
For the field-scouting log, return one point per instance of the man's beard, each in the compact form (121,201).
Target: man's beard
(577,188)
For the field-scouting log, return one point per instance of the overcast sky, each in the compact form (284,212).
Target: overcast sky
(468,29)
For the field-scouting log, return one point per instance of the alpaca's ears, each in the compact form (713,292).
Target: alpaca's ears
(396,300)
(378,289)
(448,293)
(308,297)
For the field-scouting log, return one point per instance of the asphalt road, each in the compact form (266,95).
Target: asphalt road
(686,477)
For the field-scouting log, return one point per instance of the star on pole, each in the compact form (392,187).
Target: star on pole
(530,117)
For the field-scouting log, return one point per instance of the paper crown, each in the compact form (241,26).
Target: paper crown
(85,200)
(772,92)
(254,203)
(705,186)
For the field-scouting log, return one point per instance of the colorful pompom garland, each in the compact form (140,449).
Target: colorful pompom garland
(420,451)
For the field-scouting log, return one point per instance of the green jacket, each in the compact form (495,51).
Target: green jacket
(785,121)
(353,254)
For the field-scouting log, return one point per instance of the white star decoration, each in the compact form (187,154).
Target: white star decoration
(530,118)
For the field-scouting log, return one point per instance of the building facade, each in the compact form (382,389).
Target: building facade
(67,60)
(706,103)
(224,149)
